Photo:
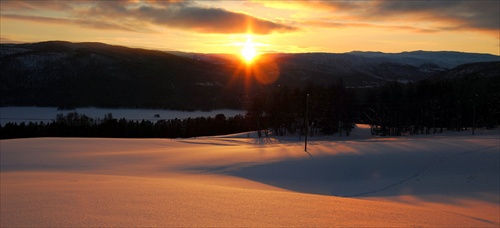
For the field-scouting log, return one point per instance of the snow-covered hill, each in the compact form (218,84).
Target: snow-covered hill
(240,180)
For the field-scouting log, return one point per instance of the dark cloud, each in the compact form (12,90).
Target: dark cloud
(115,15)
(128,15)
(34,5)
(468,14)
(212,20)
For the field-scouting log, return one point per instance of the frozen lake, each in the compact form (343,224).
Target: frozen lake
(47,114)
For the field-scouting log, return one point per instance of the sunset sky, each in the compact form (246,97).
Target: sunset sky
(274,26)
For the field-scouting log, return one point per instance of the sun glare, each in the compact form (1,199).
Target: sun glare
(248,52)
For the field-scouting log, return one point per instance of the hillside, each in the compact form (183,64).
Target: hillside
(365,69)
(480,70)
(64,74)
(94,74)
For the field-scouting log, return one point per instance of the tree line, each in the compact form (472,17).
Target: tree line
(329,110)
(74,124)
(424,107)
(430,106)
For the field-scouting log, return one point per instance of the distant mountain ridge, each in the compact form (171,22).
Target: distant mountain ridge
(59,73)
(445,59)
(360,68)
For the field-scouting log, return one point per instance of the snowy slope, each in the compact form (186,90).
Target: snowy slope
(240,180)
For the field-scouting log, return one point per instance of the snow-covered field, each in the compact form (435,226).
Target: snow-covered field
(239,180)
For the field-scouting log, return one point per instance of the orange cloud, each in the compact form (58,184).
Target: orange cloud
(332,24)
(81,22)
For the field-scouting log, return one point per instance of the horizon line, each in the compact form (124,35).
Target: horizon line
(14,42)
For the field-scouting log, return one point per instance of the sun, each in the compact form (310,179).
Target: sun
(248,52)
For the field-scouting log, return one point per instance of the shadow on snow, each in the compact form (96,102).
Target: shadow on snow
(470,174)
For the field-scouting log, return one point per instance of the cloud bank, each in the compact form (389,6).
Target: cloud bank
(210,20)
(430,16)
(463,14)
(139,15)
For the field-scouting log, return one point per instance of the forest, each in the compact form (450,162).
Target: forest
(424,107)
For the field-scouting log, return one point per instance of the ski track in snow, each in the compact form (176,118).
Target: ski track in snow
(419,174)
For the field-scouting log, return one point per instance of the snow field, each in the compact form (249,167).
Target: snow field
(245,181)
